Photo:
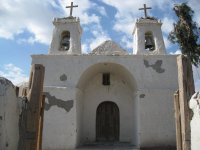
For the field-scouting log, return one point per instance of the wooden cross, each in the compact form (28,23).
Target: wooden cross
(145,10)
(71,8)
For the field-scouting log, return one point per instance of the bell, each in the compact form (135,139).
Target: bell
(65,43)
(148,43)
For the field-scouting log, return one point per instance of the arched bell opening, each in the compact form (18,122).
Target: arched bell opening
(65,41)
(149,41)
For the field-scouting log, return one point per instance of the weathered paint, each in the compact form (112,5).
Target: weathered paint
(60,122)
(142,95)
(53,101)
(63,77)
(157,66)
(22,124)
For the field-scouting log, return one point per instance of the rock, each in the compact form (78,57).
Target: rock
(9,116)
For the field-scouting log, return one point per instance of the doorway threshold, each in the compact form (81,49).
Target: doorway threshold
(108,146)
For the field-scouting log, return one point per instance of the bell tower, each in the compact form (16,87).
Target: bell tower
(66,35)
(148,38)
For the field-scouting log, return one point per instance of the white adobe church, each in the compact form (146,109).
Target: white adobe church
(108,96)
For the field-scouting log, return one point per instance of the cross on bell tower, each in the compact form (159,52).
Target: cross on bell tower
(66,35)
(148,38)
(145,10)
(71,8)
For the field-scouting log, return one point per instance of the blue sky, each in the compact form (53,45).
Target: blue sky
(26,27)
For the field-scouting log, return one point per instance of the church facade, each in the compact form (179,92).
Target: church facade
(108,95)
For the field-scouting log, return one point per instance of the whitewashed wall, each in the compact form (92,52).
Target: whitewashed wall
(153,78)
(59,130)
(118,92)
(146,25)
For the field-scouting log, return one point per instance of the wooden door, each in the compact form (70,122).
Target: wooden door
(107,122)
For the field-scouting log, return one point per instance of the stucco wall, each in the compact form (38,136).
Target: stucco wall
(150,71)
(73,26)
(157,123)
(59,130)
(119,93)
(152,78)
(143,26)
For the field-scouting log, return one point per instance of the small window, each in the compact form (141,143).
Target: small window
(149,41)
(106,79)
(65,41)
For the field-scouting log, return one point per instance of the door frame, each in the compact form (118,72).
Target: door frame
(116,126)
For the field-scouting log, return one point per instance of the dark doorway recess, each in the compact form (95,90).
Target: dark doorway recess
(107,122)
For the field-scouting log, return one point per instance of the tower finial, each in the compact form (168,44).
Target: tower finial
(71,8)
(145,10)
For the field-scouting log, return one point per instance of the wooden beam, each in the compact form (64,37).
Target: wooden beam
(178,121)
(186,90)
(41,124)
(31,117)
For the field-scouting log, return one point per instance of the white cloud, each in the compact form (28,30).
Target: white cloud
(98,41)
(22,15)
(30,40)
(195,5)
(13,73)
(176,52)
(127,12)
(81,11)
(5,34)
(168,44)
(125,25)
(126,7)
(18,16)
(99,37)
(85,48)
(102,10)
(167,25)
(85,19)
(131,7)
(127,42)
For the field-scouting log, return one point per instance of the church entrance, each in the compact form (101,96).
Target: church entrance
(107,122)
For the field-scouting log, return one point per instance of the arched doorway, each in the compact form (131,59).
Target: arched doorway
(107,122)
(92,94)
